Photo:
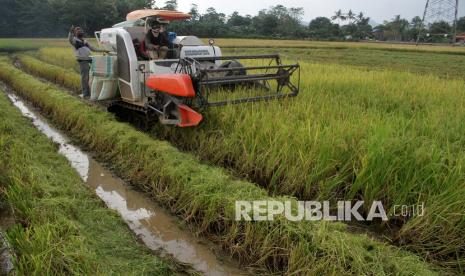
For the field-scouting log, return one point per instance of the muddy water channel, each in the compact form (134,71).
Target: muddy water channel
(158,230)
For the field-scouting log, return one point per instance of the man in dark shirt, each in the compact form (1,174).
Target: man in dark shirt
(156,42)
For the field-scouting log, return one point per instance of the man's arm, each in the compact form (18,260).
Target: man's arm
(93,49)
(71,36)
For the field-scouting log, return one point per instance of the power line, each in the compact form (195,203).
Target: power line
(440,11)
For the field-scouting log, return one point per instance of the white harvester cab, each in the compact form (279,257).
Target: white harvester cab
(124,40)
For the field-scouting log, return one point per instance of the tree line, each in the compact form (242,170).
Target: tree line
(52,18)
(353,26)
(400,29)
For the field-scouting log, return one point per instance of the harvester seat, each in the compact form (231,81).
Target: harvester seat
(142,51)
(145,55)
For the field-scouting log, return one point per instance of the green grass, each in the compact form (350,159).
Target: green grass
(352,134)
(61,227)
(205,196)
(65,77)
(443,64)
(307,44)
(421,62)
(25,44)
(16,44)
(63,57)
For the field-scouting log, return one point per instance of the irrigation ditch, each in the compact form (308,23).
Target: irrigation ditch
(157,229)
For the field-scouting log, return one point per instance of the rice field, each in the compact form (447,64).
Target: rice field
(204,195)
(447,66)
(24,44)
(265,43)
(355,132)
(425,62)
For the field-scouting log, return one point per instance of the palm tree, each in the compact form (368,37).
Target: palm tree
(399,27)
(338,16)
(350,16)
(360,17)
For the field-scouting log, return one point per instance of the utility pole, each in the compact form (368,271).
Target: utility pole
(455,21)
(440,11)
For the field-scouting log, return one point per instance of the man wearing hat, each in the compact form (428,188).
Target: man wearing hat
(156,41)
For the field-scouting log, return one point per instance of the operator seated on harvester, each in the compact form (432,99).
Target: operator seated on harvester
(156,41)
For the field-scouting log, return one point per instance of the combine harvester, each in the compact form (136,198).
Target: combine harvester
(172,89)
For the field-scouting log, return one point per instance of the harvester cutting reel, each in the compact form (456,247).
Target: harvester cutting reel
(198,83)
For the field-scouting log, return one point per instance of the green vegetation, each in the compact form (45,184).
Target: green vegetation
(450,65)
(305,44)
(350,135)
(273,22)
(353,134)
(446,62)
(58,75)
(52,19)
(38,18)
(61,227)
(59,56)
(205,196)
(24,44)
(278,44)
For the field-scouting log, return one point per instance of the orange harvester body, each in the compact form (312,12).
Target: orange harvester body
(179,85)
(174,84)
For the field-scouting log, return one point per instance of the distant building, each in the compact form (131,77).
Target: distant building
(378,33)
(460,38)
(348,37)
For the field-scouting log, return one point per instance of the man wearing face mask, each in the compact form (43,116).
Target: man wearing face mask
(82,51)
(156,42)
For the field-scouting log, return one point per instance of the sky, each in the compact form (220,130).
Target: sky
(378,10)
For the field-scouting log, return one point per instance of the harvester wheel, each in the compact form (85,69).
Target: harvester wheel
(233,64)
